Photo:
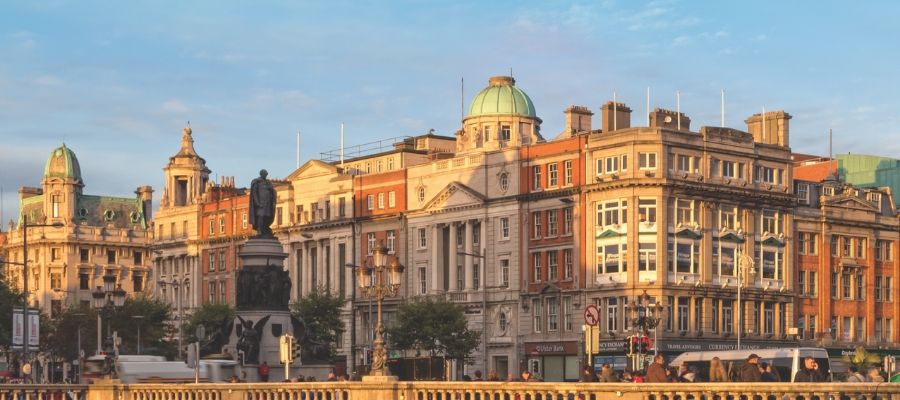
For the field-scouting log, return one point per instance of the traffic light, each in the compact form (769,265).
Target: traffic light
(296,349)
(630,344)
(286,349)
(646,344)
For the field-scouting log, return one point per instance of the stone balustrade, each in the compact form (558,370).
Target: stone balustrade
(454,391)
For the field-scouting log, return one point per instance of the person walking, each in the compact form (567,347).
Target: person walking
(717,371)
(587,375)
(606,374)
(656,372)
(263,371)
(767,374)
(854,376)
(810,372)
(749,372)
(875,376)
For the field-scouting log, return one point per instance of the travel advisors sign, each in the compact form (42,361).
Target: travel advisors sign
(18,324)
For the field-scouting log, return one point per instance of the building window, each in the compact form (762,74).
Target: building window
(685,256)
(391,241)
(423,239)
(536,267)
(211,260)
(504,228)
(552,223)
(552,265)
(888,329)
(683,316)
(813,284)
(84,281)
(504,273)
(476,234)
(878,288)
(727,313)
(768,318)
(211,287)
(536,309)
(552,314)
(55,253)
(342,207)
(698,314)
(567,173)
(536,226)
(860,287)
(879,333)
(612,258)
(834,285)
(803,193)
(536,177)
(567,221)
(888,290)
(212,226)
(381,201)
(421,194)
(567,313)
(801,283)
(612,213)
(647,210)
(55,281)
(392,199)
(222,222)
(84,255)
(612,314)
(646,256)
(504,181)
(568,264)
(390,164)
(222,260)
(612,165)
(723,258)
(370,241)
(552,175)
(110,256)
(647,160)
(244,221)
(423,281)
(460,277)
(222,293)
(504,132)
(845,286)
(137,257)
(370,202)
(460,235)
(55,200)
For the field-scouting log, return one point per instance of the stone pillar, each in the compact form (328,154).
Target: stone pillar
(453,257)
(482,249)
(307,275)
(435,258)
(469,263)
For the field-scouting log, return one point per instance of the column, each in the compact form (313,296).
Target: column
(482,249)
(469,266)
(307,275)
(777,329)
(320,263)
(435,258)
(453,257)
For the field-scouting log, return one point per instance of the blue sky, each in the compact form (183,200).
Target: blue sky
(118,80)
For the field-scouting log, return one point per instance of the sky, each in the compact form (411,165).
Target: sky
(117,81)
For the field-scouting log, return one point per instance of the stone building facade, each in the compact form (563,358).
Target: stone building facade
(101,237)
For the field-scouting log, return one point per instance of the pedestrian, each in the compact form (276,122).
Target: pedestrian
(875,376)
(638,377)
(331,377)
(717,371)
(263,371)
(809,372)
(234,379)
(749,372)
(527,376)
(587,375)
(766,373)
(26,372)
(477,375)
(493,377)
(606,374)
(854,376)
(656,372)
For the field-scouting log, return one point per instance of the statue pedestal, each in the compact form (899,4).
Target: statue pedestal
(279,323)
(262,252)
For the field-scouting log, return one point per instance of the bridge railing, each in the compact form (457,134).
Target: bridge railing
(455,391)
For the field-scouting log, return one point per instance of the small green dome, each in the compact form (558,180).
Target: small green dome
(62,163)
(502,97)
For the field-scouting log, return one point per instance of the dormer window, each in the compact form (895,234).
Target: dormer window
(505,132)
(828,190)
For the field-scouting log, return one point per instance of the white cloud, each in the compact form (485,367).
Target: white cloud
(25,38)
(682,40)
(47,80)
(174,106)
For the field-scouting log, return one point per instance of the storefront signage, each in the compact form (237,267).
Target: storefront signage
(550,348)
(680,346)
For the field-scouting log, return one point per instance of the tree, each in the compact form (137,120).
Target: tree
(321,311)
(62,332)
(862,359)
(436,326)
(9,297)
(211,317)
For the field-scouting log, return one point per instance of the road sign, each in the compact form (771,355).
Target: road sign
(591,315)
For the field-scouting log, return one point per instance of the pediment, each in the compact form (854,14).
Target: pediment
(550,288)
(609,233)
(688,233)
(455,195)
(850,202)
(731,236)
(311,169)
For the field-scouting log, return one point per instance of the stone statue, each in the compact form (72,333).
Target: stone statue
(262,205)
(219,338)
(250,336)
(263,288)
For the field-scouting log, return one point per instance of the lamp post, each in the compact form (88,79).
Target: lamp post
(106,299)
(377,282)
(646,316)
(178,296)
(80,357)
(139,319)
(25,226)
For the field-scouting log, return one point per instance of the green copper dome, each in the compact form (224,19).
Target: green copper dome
(502,97)
(62,163)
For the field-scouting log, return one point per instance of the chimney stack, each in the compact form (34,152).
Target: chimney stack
(578,119)
(662,118)
(770,128)
(622,118)
(145,195)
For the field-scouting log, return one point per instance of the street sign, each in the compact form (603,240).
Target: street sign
(591,315)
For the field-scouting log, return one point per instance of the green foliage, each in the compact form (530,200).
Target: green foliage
(321,310)
(9,297)
(61,333)
(436,326)
(862,359)
(210,316)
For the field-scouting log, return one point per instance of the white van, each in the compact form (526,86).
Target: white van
(785,361)
(155,369)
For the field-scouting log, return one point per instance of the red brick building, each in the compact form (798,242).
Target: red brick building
(224,227)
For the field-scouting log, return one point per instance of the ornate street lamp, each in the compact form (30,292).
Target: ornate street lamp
(646,316)
(378,281)
(106,299)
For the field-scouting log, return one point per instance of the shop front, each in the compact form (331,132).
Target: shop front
(553,361)
(614,352)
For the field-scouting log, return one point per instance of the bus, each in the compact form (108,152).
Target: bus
(785,361)
(155,369)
